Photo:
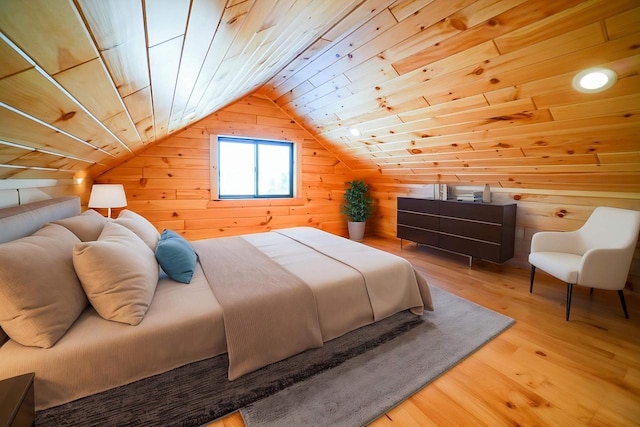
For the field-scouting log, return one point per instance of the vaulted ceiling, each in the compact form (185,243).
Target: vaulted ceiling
(440,90)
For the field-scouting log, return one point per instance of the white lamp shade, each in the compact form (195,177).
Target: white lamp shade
(107,196)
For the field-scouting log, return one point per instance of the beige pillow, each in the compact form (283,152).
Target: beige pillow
(141,226)
(40,294)
(86,226)
(118,272)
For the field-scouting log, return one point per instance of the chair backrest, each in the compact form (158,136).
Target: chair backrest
(611,228)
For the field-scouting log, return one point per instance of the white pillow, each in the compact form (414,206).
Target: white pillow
(141,226)
(118,272)
(40,294)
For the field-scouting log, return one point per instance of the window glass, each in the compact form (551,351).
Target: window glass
(254,168)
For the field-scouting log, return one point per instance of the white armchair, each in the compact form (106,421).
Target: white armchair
(597,255)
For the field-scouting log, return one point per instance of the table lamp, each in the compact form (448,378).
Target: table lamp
(107,196)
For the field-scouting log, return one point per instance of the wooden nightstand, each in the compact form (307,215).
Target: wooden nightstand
(17,403)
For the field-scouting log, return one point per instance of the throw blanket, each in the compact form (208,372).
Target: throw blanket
(390,280)
(269,314)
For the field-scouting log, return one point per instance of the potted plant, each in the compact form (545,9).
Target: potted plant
(358,207)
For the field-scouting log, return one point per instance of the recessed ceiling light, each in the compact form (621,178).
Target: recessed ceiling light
(354,131)
(594,80)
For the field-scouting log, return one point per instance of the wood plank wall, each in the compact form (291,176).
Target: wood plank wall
(169,183)
(538,210)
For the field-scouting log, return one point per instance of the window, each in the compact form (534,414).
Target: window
(254,168)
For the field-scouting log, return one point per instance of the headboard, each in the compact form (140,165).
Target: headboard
(23,220)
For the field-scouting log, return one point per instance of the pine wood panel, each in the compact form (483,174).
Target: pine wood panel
(169,182)
(416,77)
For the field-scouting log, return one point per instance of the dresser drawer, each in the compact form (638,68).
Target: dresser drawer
(427,221)
(418,235)
(475,211)
(488,232)
(419,205)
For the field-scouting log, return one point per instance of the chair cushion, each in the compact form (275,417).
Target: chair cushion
(560,265)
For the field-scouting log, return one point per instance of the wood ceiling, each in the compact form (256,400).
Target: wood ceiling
(456,91)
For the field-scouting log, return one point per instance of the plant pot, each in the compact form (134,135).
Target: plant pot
(356,230)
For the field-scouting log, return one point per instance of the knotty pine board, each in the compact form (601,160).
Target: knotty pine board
(166,182)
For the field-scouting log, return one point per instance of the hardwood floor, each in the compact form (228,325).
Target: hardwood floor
(541,371)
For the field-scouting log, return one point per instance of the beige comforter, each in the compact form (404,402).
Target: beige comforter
(269,314)
(273,308)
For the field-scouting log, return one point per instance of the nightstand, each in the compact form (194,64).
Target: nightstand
(17,403)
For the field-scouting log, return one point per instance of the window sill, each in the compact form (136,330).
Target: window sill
(229,203)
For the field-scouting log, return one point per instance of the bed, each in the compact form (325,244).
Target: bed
(89,304)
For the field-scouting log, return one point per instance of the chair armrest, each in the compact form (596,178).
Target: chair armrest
(605,268)
(556,241)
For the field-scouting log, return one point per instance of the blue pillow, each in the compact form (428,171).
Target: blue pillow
(176,256)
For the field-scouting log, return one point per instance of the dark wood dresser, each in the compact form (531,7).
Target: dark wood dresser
(478,230)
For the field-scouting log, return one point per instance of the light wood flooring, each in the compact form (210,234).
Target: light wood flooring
(541,371)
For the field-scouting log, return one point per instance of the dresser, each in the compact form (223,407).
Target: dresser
(478,230)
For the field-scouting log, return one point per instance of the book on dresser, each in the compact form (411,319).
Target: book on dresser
(477,230)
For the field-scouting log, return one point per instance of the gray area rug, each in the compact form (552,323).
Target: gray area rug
(349,381)
(365,387)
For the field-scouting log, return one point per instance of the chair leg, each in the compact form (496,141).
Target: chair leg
(569,291)
(533,273)
(591,291)
(624,304)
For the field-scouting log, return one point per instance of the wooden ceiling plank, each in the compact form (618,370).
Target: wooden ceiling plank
(33,173)
(91,85)
(8,153)
(623,24)
(380,45)
(165,19)
(541,136)
(616,158)
(318,59)
(125,129)
(54,44)
(535,62)
(557,90)
(20,130)
(421,128)
(316,70)
(405,8)
(578,16)
(40,159)
(164,60)
(140,108)
(282,52)
(272,89)
(517,17)
(228,27)
(11,62)
(26,90)
(201,28)
(403,88)
(453,153)
(452,19)
(117,27)
(629,104)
